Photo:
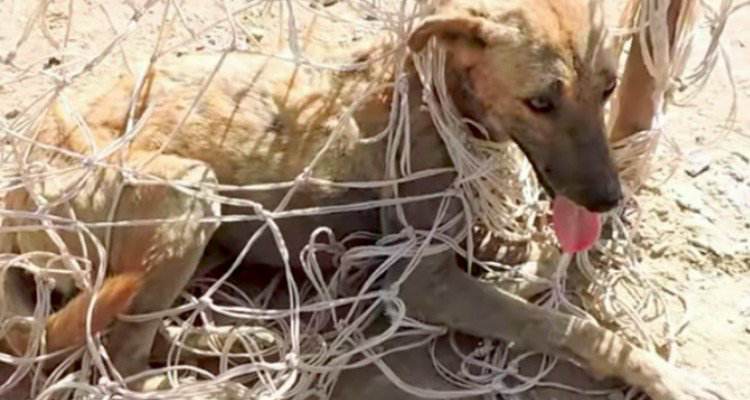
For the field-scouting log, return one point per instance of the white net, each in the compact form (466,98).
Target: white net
(293,337)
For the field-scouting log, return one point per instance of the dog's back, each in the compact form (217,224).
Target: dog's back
(254,108)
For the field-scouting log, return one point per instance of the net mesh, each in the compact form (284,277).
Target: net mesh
(294,337)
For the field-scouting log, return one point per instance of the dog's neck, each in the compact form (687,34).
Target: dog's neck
(374,114)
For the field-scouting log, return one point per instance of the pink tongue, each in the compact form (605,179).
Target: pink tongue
(577,229)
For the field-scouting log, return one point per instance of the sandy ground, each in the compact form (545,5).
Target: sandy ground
(696,234)
(695,237)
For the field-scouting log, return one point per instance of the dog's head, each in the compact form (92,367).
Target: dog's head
(535,72)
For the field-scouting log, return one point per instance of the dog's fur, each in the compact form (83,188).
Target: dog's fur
(263,120)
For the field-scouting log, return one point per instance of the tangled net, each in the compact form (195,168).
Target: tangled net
(270,346)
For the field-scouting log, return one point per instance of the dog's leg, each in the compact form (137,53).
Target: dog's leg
(171,250)
(67,327)
(414,367)
(439,292)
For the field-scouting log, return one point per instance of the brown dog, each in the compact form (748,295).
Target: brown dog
(529,71)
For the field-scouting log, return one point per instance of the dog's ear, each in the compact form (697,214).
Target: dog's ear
(465,36)
(449,27)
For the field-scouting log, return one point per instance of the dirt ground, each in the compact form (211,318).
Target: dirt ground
(696,229)
(695,234)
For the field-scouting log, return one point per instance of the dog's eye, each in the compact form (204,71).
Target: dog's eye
(609,90)
(540,104)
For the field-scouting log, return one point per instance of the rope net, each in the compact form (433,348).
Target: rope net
(293,338)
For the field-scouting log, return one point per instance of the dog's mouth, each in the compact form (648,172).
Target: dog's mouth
(576,228)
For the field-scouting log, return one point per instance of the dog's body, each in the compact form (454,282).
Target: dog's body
(528,71)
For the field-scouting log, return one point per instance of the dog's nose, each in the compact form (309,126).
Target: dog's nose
(605,198)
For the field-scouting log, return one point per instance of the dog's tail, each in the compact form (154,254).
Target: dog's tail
(67,327)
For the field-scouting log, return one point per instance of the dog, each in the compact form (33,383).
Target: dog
(529,71)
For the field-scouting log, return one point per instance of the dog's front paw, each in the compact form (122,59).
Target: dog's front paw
(681,385)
